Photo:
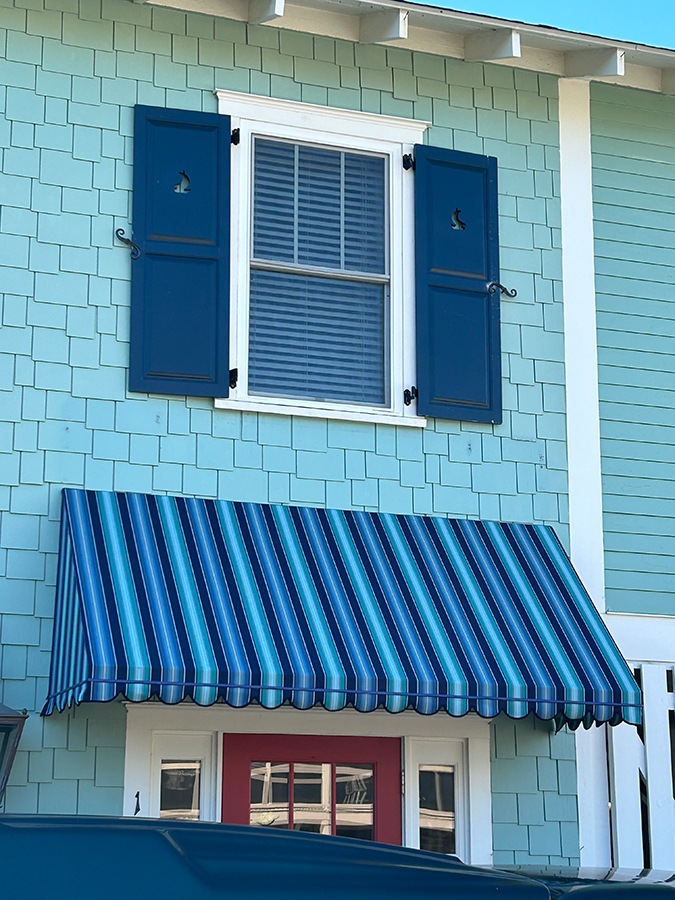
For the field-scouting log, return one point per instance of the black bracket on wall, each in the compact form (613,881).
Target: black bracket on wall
(132,245)
(496,286)
(235,137)
(410,394)
(408,161)
(234,377)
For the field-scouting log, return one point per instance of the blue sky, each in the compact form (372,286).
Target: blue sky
(647,22)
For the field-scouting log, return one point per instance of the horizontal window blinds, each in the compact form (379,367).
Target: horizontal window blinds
(319,284)
(316,337)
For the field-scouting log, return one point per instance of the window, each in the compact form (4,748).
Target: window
(436,798)
(319,283)
(322,221)
(347,786)
(313,261)
(325,798)
(437,808)
(179,791)
(182,783)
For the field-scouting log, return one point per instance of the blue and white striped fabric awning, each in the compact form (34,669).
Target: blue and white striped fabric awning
(174,598)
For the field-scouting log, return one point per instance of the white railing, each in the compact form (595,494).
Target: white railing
(640,774)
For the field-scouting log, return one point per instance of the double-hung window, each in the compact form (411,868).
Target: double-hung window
(323,258)
(313,261)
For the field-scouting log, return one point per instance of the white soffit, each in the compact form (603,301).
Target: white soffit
(446,32)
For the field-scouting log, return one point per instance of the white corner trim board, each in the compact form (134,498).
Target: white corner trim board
(593,798)
(581,351)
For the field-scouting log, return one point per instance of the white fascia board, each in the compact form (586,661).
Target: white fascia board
(499,43)
(261,11)
(381,27)
(595,63)
(643,638)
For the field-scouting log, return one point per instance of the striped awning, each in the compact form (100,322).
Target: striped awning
(174,598)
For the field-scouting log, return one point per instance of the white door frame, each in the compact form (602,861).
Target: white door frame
(153,728)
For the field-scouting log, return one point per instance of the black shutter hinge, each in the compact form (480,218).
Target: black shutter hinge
(408,161)
(234,377)
(409,395)
(235,137)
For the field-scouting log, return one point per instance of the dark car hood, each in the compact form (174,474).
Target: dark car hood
(134,859)
(605,884)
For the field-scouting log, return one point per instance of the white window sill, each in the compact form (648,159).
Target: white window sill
(346,415)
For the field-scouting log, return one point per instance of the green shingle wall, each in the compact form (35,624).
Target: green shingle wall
(534,794)
(70,73)
(633,145)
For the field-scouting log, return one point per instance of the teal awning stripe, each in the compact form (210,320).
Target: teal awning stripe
(173,597)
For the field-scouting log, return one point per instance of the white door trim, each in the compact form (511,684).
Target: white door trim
(148,721)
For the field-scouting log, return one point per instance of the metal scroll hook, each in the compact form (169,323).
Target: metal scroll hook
(496,286)
(132,245)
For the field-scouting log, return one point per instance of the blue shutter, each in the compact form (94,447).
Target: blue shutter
(180,283)
(457,256)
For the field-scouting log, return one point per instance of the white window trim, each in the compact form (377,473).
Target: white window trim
(425,739)
(387,135)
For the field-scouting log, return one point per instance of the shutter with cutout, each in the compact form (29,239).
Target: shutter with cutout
(180,282)
(457,257)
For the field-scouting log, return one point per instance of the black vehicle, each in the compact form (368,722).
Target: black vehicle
(72,857)
(602,884)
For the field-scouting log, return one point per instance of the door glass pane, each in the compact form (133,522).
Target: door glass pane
(354,801)
(311,797)
(269,794)
(437,808)
(179,789)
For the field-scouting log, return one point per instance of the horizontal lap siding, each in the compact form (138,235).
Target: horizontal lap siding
(633,143)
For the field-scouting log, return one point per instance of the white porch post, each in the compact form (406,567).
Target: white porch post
(583,428)
(658,703)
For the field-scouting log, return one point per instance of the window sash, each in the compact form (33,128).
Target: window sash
(299,221)
(335,346)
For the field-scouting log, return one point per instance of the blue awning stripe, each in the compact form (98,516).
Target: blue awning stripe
(175,598)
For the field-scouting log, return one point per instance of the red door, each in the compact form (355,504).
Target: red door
(349,786)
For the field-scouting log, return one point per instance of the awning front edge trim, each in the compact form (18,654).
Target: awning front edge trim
(498,698)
